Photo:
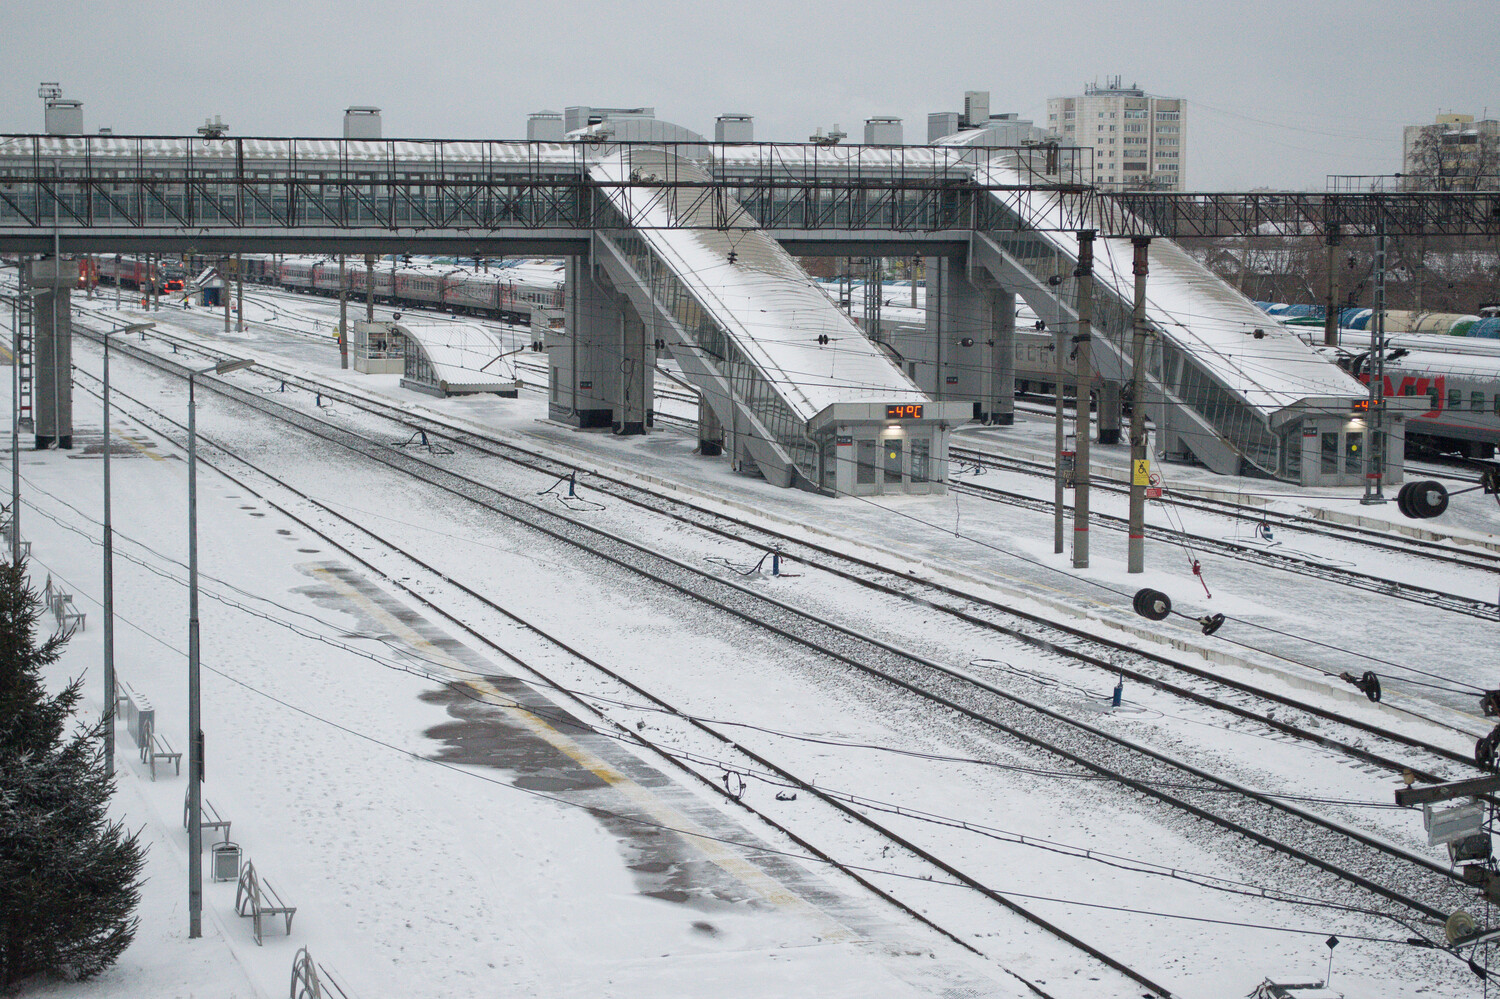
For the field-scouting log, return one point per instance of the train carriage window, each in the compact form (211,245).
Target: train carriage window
(1455,400)
(1434,400)
(1476,402)
(1408,389)
(1497,403)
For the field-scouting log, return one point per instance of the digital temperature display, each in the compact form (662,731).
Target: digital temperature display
(907,411)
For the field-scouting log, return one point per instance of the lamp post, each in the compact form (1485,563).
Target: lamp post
(195,734)
(109,571)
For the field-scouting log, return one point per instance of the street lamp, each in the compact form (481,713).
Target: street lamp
(195,733)
(109,569)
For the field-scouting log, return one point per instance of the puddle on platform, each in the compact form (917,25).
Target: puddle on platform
(663,865)
(482,734)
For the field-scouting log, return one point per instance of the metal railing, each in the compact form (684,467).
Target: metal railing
(119,182)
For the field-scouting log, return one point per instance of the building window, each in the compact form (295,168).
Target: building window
(1134,114)
(1167,115)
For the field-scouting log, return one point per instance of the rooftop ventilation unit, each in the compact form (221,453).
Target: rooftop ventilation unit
(361,123)
(544,126)
(883,132)
(734,128)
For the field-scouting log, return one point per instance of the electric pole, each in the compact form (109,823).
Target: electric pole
(1374,463)
(1140,461)
(1059,491)
(1083,401)
(343,315)
(369,287)
(1331,307)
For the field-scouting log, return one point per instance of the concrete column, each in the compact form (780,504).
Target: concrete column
(1109,412)
(1000,404)
(634,382)
(52,350)
(588,361)
(710,430)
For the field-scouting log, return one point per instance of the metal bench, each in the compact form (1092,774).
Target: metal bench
(209,817)
(69,618)
(160,749)
(254,897)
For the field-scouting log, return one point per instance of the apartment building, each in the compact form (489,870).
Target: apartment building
(1139,140)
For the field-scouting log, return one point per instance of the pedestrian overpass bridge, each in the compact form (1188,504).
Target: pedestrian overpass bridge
(687,247)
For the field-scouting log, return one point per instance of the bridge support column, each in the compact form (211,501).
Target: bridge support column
(710,430)
(586,361)
(1109,412)
(633,385)
(971,325)
(52,375)
(1000,400)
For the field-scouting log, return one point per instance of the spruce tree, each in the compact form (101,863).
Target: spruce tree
(69,877)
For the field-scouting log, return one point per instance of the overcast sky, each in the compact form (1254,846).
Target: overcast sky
(1280,93)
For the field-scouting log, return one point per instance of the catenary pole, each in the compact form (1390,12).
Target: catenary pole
(15,418)
(343,315)
(1374,463)
(1139,459)
(1059,350)
(1083,405)
(109,588)
(1331,303)
(195,764)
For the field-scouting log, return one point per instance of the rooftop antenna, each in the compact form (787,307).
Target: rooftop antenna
(213,128)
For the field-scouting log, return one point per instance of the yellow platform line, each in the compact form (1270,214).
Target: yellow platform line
(752,876)
(148,452)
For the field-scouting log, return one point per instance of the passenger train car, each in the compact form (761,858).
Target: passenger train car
(1462,388)
(511,290)
(130,272)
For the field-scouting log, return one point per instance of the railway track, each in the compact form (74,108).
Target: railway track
(1347,854)
(1112,657)
(732,753)
(1299,563)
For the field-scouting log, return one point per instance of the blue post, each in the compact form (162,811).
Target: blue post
(1119,692)
(283,387)
(424,438)
(775,563)
(570,483)
(320,398)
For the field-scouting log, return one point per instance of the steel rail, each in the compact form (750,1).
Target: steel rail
(814,634)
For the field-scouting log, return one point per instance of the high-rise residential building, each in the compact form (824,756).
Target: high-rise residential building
(1454,152)
(1139,141)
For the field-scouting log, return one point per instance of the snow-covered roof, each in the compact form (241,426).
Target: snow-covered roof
(768,304)
(465,357)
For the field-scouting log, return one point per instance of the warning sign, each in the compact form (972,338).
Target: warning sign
(1142,473)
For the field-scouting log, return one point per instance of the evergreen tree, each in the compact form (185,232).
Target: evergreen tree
(69,878)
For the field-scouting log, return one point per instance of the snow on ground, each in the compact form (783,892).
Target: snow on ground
(414,878)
